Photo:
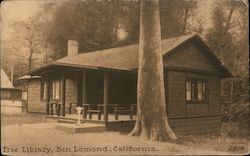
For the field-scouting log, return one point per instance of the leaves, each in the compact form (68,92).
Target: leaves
(100,24)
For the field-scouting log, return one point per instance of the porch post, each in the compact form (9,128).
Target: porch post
(84,93)
(48,96)
(105,97)
(84,88)
(63,92)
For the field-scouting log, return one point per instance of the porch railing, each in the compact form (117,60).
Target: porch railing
(88,109)
(55,108)
(116,110)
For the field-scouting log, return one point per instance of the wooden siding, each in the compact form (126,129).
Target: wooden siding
(196,109)
(199,125)
(176,93)
(196,125)
(35,103)
(214,95)
(190,57)
(10,94)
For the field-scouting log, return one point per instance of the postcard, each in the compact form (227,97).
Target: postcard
(124,77)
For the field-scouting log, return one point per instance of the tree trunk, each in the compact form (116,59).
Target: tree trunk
(225,30)
(151,108)
(185,19)
(29,63)
(30,60)
(228,21)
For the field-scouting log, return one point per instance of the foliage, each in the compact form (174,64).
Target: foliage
(92,29)
(101,28)
(95,24)
(241,114)
(228,39)
(237,112)
(174,17)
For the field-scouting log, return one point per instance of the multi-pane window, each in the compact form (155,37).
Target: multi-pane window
(201,91)
(55,90)
(43,90)
(188,90)
(196,91)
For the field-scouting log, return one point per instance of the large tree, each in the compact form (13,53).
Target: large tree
(151,120)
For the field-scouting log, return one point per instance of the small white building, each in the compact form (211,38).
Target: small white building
(11,102)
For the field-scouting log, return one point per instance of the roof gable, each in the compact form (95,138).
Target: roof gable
(5,82)
(190,56)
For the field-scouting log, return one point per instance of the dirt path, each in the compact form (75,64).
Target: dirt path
(40,138)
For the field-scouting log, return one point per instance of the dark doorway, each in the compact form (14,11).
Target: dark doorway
(79,90)
(94,86)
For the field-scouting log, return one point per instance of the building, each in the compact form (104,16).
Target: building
(192,75)
(11,102)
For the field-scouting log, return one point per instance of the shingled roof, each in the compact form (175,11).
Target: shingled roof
(120,58)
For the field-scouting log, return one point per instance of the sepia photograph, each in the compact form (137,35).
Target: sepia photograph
(124,77)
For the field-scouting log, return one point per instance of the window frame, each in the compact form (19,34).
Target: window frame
(194,93)
(52,94)
(43,91)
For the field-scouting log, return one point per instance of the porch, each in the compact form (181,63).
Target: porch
(105,95)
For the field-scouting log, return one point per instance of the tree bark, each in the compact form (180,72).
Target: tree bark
(30,60)
(151,108)
(185,19)
(228,21)
(226,28)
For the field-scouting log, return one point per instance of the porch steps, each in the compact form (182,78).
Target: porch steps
(83,128)
(67,120)
(61,119)
(94,121)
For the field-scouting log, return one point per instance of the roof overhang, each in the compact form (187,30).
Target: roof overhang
(55,65)
(28,77)
(4,88)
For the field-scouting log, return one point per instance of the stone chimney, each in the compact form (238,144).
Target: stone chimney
(72,47)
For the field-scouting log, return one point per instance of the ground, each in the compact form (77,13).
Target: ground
(30,132)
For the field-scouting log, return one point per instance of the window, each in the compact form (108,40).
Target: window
(43,90)
(55,90)
(24,95)
(188,90)
(196,91)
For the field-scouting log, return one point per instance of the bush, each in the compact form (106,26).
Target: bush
(240,114)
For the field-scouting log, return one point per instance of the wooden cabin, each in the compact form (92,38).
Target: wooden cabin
(11,103)
(107,79)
